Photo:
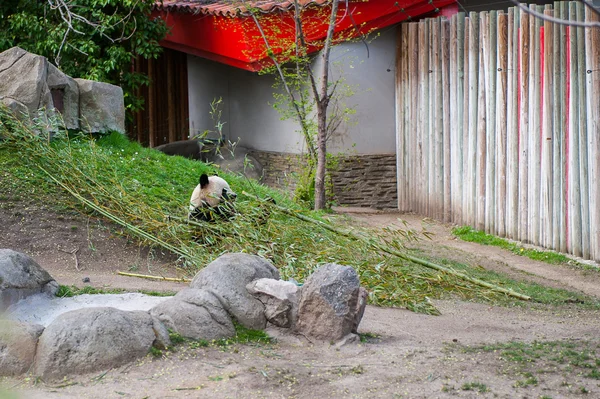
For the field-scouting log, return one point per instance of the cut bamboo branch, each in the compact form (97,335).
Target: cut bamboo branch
(149,277)
(117,220)
(390,251)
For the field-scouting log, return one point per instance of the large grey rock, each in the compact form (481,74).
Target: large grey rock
(101,107)
(20,277)
(329,303)
(92,339)
(280,299)
(191,149)
(18,342)
(195,314)
(23,78)
(66,91)
(19,109)
(227,277)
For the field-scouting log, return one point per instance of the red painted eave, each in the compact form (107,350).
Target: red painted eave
(230,37)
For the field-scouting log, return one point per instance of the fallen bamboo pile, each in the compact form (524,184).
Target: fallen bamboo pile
(391,251)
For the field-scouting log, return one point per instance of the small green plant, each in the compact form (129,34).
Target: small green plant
(530,379)
(245,335)
(474,386)
(368,337)
(175,337)
(155,352)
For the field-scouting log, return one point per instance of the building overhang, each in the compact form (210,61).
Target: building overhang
(233,37)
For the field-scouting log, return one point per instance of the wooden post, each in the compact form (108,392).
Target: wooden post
(501,122)
(401,114)
(471,175)
(461,48)
(423,128)
(512,120)
(560,129)
(437,136)
(490,169)
(413,66)
(446,144)
(548,134)
(171,90)
(582,136)
(466,123)
(574,186)
(523,88)
(557,133)
(453,131)
(481,146)
(592,49)
(533,135)
(151,103)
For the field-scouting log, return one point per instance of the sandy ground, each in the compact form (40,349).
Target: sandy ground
(405,355)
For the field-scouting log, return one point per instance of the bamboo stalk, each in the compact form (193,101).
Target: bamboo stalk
(146,276)
(391,251)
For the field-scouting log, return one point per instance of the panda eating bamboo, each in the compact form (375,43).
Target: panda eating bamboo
(212,198)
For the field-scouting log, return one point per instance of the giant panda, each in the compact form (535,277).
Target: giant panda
(212,198)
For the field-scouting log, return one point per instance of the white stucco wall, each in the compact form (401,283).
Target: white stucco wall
(248,97)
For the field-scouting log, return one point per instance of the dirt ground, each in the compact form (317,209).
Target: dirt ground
(405,355)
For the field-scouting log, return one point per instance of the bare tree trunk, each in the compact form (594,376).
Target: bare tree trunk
(322,100)
(320,200)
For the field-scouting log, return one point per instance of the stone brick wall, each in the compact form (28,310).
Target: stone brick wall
(359,181)
(366,181)
(280,170)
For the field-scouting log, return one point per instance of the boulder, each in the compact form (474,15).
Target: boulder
(101,107)
(19,109)
(329,303)
(191,149)
(227,276)
(65,96)
(195,314)
(23,78)
(280,299)
(20,277)
(92,339)
(18,342)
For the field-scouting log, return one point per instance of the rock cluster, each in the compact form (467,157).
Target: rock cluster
(241,287)
(35,90)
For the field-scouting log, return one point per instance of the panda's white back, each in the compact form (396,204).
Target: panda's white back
(210,194)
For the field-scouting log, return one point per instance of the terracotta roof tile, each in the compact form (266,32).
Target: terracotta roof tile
(227,7)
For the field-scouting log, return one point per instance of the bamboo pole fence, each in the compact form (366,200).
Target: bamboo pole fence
(498,124)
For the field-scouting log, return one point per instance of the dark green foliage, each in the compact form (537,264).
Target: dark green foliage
(103,49)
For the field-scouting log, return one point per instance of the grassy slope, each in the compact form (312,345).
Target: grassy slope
(143,187)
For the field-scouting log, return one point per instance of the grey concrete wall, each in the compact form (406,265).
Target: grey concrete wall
(248,99)
(370,72)
(207,81)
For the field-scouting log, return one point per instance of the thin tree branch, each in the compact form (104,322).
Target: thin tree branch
(559,21)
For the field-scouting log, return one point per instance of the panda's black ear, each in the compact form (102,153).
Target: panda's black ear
(203,180)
